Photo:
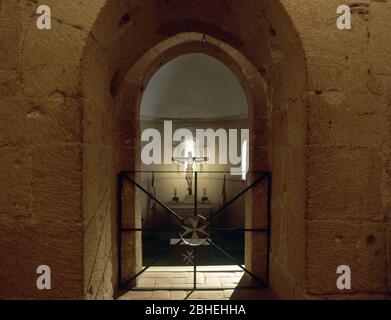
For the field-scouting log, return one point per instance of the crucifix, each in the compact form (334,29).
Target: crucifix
(189,161)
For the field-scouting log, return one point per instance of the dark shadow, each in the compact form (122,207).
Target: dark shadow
(245,292)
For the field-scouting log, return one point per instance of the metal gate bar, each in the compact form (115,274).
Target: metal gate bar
(126,176)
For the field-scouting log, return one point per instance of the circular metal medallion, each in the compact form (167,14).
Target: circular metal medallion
(195,231)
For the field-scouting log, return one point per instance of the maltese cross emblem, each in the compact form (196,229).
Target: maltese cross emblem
(188,257)
(196,231)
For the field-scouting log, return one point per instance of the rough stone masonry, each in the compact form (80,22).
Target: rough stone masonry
(320,106)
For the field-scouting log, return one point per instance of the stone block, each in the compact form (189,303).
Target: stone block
(10,35)
(99,177)
(296,248)
(80,15)
(9,83)
(329,245)
(279,233)
(178,295)
(15,191)
(337,120)
(327,73)
(57,246)
(343,183)
(379,44)
(372,263)
(98,258)
(161,295)
(49,120)
(332,244)
(280,281)
(52,59)
(57,184)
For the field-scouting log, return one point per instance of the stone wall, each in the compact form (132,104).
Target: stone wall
(348,147)
(41,156)
(326,138)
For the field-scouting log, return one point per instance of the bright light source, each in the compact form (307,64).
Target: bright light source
(189,148)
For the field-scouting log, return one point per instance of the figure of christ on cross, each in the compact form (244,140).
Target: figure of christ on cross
(189,161)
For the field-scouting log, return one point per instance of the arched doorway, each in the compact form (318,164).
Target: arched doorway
(195,91)
(263,84)
(254,219)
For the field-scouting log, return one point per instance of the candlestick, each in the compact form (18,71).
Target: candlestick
(175,198)
(205,198)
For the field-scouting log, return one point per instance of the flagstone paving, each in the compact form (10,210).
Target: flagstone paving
(221,281)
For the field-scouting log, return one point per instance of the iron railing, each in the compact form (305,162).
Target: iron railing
(129,177)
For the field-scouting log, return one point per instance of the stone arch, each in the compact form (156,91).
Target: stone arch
(260,35)
(94,43)
(128,102)
(132,87)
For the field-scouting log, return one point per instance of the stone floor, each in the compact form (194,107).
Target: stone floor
(223,280)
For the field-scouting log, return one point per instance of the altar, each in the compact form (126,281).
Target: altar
(186,209)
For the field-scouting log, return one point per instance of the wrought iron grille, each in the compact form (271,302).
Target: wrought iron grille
(195,230)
